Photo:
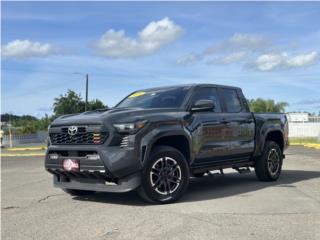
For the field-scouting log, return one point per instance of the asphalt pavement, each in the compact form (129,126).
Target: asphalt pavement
(232,206)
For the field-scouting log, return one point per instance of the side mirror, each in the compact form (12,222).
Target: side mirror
(203,105)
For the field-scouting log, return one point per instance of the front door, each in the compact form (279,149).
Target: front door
(208,129)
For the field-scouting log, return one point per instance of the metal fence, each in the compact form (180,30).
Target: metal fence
(314,119)
(39,137)
(304,130)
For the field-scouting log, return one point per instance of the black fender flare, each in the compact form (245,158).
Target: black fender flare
(264,135)
(150,138)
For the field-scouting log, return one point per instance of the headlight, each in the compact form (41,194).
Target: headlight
(130,127)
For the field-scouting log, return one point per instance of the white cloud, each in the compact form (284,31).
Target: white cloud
(231,50)
(249,40)
(250,50)
(268,62)
(189,59)
(303,60)
(234,57)
(271,61)
(228,59)
(239,42)
(155,35)
(27,49)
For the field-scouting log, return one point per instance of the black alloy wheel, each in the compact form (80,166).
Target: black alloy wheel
(165,176)
(268,166)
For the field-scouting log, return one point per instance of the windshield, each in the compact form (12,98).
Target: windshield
(155,98)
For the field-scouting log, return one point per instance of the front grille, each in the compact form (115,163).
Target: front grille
(81,137)
(80,130)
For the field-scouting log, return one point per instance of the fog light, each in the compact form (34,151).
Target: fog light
(93,157)
(54,156)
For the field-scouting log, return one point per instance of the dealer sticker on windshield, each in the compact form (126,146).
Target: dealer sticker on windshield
(137,94)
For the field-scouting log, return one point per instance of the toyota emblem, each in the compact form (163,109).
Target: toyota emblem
(72,130)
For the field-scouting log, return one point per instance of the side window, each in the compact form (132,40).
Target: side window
(208,93)
(231,99)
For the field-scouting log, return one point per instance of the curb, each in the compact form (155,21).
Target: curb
(22,155)
(27,148)
(312,145)
(309,145)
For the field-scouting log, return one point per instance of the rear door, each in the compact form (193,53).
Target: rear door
(239,122)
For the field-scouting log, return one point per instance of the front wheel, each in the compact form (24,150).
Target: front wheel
(165,176)
(268,165)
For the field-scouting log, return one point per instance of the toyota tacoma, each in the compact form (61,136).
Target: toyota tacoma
(155,140)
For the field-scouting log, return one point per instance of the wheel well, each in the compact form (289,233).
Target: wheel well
(179,142)
(277,137)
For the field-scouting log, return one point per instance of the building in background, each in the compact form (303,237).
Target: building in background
(298,117)
(303,125)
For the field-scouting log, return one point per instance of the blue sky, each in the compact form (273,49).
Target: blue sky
(270,49)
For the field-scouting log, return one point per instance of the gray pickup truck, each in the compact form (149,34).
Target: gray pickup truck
(156,139)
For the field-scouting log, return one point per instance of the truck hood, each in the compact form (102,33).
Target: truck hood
(118,115)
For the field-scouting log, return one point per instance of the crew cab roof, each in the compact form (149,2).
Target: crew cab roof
(189,86)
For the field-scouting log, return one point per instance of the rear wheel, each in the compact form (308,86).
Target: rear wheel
(268,166)
(165,176)
(75,192)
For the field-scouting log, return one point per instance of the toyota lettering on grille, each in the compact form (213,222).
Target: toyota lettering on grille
(72,130)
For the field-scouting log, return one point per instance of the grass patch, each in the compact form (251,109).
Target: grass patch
(302,141)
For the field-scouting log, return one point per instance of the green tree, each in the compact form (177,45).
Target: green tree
(68,103)
(72,102)
(95,104)
(7,117)
(25,124)
(266,105)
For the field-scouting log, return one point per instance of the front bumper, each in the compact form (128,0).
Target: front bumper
(123,185)
(116,170)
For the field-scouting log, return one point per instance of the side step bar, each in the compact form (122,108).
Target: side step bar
(220,166)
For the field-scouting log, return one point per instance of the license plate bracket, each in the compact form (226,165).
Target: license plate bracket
(71,165)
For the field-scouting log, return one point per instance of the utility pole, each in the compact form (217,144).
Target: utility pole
(10,136)
(10,132)
(87,84)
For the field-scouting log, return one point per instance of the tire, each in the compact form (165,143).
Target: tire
(165,176)
(268,166)
(75,192)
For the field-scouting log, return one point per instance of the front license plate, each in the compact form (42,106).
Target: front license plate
(71,165)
